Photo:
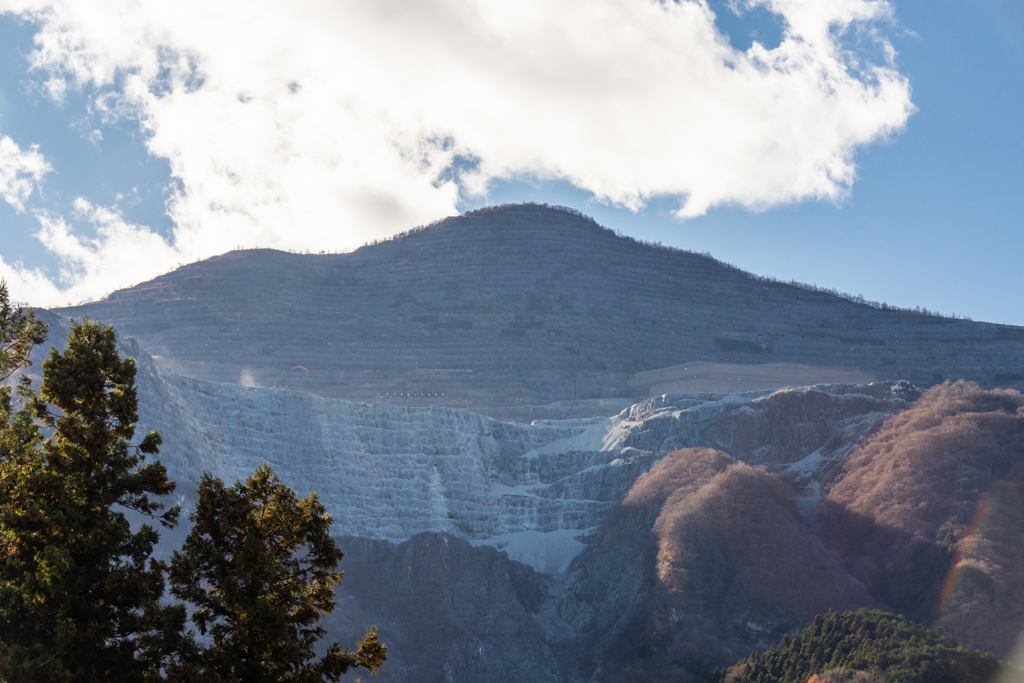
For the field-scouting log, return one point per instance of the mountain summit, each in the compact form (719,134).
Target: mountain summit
(519,305)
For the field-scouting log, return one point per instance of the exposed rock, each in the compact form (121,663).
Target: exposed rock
(803,431)
(452,612)
(390,472)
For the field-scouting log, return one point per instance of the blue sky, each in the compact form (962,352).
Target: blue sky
(919,203)
(936,216)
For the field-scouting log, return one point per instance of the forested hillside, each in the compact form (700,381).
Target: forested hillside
(929,512)
(869,646)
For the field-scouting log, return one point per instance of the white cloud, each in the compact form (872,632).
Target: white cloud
(322,125)
(56,89)
(20,170)
(119,255)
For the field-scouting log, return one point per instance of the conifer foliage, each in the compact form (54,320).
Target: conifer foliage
(19,332)
(887,645)
(80,595)
(259,564)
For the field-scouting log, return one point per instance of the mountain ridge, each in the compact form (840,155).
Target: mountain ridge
(520,305)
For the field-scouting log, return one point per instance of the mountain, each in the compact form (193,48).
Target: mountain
(472,402)
(521,305)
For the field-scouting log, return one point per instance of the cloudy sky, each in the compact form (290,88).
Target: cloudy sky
(871,146)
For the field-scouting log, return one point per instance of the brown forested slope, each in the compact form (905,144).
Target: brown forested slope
(708,559)
(728,566)
(929,513)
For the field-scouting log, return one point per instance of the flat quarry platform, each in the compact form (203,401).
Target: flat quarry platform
(731,378)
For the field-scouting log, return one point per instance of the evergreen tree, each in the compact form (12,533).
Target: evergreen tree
(259,565)
(79,592)
(19,333)
(891,646)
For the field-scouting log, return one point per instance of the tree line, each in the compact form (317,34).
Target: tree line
(83,599)
(886,647)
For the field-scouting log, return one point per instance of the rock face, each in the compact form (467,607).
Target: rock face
(482,547)
(516,306)
(452,612)
(390,472)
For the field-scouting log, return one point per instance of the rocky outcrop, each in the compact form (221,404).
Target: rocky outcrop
(766,428)
(391,472)
(452,612)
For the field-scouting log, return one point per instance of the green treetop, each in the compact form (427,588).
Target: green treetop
(81,595)
(19,333)
(79,592)
(885,646)
(259,564)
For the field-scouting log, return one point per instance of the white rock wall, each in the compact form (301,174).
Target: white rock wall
(389,472)
(383,471)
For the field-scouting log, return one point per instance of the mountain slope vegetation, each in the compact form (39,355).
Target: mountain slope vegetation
(729,566)
(928,513)
(923,518)
(887,647)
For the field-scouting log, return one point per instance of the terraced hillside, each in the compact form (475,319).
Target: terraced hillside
(519,305)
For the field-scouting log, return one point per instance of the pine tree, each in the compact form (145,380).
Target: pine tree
(19,333)
(259,565)
(875,644)
(80,595)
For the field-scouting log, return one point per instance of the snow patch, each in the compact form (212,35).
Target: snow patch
(807,466)
(808,502)
(604,435)
(549,553)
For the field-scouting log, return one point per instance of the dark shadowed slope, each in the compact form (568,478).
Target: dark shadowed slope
(517,305)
